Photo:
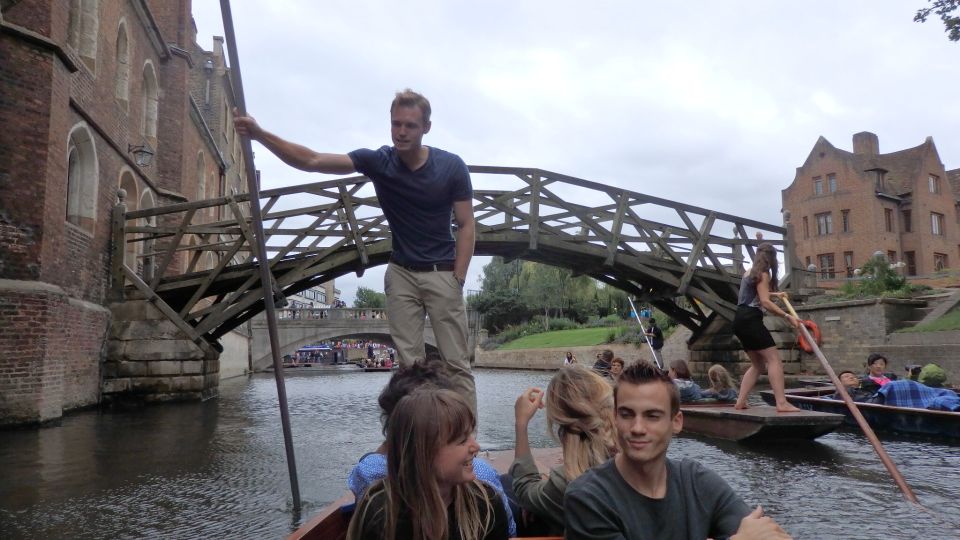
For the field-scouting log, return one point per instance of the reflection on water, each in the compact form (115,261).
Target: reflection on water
(217,469)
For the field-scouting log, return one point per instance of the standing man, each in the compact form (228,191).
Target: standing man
(656,340)
(642,494)
(418,187)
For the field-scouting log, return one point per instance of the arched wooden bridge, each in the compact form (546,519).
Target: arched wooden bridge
(193,259)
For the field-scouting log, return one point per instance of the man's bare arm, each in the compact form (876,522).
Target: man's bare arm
(466,237)
(293,154)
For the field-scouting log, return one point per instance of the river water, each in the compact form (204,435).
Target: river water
(217,469)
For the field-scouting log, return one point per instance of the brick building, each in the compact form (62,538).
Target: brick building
(82,84)
(846,206)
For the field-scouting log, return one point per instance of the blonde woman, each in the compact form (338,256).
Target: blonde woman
(579,406)
(430,491)
(722,386)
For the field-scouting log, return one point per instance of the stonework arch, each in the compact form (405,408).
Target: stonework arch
(82,178)
(202,182)
(145,268)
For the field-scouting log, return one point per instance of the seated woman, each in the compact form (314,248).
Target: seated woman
(579,406)
(373,466)
(722,386)
(876,377)
(680,373)
(430,490)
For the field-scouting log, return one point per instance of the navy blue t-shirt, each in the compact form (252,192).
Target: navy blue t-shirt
(418,204)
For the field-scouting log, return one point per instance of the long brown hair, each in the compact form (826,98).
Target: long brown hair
(579,407)
(421,423)
(720,378)
(765,262)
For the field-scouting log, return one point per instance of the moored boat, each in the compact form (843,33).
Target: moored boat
(907,420)
(722,421)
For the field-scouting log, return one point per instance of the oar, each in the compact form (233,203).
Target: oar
(645,336)
(867,430)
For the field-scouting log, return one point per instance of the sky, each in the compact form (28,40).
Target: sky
(712,104)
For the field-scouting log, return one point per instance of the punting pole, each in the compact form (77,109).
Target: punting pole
(867,430)
(266,279)
(645,336)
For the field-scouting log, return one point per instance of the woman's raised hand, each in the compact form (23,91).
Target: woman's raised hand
(527,404)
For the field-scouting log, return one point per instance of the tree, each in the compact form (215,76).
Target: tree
(944,9)
(369,298)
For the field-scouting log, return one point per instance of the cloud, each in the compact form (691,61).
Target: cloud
(708,103)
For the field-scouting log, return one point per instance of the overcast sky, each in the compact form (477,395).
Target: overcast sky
(713,104)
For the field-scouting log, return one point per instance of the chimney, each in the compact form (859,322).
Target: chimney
(218,46)
(866,143)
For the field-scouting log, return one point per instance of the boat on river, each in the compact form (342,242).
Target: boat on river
(888,418)
(332,522)
(722,421)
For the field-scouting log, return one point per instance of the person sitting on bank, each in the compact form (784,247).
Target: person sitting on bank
(722,386)
(579,406)
(641,493)
(854,387)
(431,490)
(372,466)
(569,359)
(876,372)
(680,373)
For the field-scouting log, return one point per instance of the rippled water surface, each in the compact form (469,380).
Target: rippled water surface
(217,469)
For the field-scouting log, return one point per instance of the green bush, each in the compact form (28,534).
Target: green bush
(877,278)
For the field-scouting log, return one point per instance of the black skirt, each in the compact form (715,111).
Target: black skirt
(749,329)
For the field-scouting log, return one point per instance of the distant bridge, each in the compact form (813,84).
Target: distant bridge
(303,326)
(193,260)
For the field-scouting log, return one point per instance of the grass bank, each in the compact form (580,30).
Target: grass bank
(577,337)
(950,321)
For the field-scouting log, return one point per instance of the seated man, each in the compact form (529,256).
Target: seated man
(641,493)
(373,466)
(854,386)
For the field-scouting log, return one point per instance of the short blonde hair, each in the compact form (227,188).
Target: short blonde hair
(409,98)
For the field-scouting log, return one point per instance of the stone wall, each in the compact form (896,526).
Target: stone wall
(235,358)
(552,358)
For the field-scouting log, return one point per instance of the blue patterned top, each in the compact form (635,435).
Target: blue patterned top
(373,467)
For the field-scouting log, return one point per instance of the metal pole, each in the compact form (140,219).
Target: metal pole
(861,421)
(644,330)
(266,279)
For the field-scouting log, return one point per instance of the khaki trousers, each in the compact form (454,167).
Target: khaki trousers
(413,295)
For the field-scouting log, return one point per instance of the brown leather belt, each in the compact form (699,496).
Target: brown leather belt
(438,267)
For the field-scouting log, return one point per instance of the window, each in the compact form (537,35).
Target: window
(817,185)
(848,262)
(122,77)
(907,221)
(933,182)
(888,219)
(807,261)
(892,256)
(910,259)
(824,224)
(129,185)
(940,262)
(82,176)
(845,215)
(826,266)
(832,182)
(82,30)
(936,224)
(879,179)
(806,228)
(151,105)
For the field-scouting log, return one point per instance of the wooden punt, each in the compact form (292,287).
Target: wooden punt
(906,420)
(722,421)
(331,523)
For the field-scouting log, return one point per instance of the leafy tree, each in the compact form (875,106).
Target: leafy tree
(945,9)
(500,275)
(501,309)
(369,298)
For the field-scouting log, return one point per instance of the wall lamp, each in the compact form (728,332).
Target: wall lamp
(142,154)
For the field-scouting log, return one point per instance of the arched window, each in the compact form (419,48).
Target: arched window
(129,184)
(82,32)
(122,86)
(81,178)
(201,177)
(151,104)
(146,269)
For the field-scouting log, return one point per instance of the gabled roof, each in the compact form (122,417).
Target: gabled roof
(902,167)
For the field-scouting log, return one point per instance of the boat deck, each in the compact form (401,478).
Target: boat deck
(756,423)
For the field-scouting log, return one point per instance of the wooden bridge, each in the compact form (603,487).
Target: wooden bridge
(193,260)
